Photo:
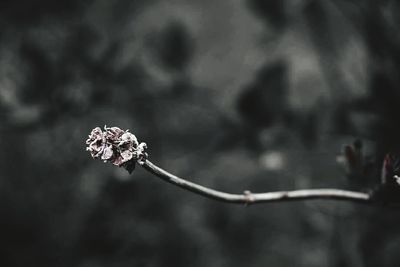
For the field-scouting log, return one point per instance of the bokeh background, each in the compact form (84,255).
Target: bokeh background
(235,95)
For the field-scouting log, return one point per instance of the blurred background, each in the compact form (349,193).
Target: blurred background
(235,95)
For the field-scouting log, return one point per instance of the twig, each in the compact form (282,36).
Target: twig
(250,198)
(122,148)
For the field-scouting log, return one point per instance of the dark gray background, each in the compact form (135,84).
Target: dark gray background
(235,95)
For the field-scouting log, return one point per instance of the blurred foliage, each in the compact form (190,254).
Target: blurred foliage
(257,95)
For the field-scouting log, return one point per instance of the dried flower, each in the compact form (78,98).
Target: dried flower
(96,142)
(117,146)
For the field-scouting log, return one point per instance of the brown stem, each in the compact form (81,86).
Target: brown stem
(249,198)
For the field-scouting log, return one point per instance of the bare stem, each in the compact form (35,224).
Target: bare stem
(249,198)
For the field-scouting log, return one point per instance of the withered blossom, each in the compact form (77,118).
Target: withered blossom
(96,142)
(117,146)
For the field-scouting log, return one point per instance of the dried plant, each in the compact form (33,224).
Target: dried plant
(117,146)
(122,149)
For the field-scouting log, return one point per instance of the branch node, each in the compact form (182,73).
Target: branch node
(248,197)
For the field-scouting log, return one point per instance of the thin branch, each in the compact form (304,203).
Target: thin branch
(122,148)
(249,198)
